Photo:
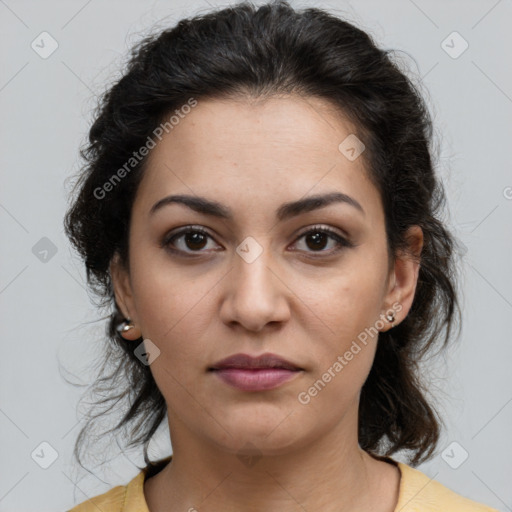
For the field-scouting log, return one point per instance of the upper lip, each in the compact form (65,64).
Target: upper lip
(246,361)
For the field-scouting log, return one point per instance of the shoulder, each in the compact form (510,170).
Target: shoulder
(110,501)
(122,498)
(420,493)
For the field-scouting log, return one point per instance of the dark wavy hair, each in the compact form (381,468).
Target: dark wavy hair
(259,52)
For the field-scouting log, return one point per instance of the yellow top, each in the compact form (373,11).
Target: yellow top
(417,493)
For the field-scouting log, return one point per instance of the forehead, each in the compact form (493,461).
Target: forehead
(243,152)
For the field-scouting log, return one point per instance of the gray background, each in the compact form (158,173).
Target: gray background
(48,321)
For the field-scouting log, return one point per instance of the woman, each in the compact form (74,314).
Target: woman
(261,210)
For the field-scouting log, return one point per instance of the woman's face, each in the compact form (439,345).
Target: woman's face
(255,282)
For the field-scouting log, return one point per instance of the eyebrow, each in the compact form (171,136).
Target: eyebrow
(285,211)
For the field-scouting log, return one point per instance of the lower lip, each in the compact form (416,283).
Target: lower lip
(256,380)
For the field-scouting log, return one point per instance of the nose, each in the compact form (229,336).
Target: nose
(255,294)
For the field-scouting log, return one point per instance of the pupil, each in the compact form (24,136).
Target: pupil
(195,238)
(318,237)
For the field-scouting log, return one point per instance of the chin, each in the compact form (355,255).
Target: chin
(263,433)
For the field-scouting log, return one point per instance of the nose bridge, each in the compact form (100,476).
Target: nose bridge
(255,293)
(253,267)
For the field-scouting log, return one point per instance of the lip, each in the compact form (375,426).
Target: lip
(255,373)
(246,361)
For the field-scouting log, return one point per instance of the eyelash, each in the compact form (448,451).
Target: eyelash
(341,241)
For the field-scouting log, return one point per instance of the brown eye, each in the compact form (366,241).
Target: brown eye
(317,238)
(188,240)
(194,240)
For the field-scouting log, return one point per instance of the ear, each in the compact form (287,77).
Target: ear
(404,277)
(121,283)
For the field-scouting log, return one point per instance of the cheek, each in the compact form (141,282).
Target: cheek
(164,296)
(344,353)
(349,302)
(331,393)
(349,306)
(170,307)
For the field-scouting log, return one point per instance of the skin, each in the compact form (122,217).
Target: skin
(297,299)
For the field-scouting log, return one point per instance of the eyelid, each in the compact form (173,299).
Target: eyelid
(325,228)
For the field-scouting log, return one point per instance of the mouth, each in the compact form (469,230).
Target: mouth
(260,373)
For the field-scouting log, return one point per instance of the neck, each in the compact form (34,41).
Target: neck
(331,473)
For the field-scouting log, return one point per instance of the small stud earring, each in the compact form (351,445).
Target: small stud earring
(390,317)
(124,326)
